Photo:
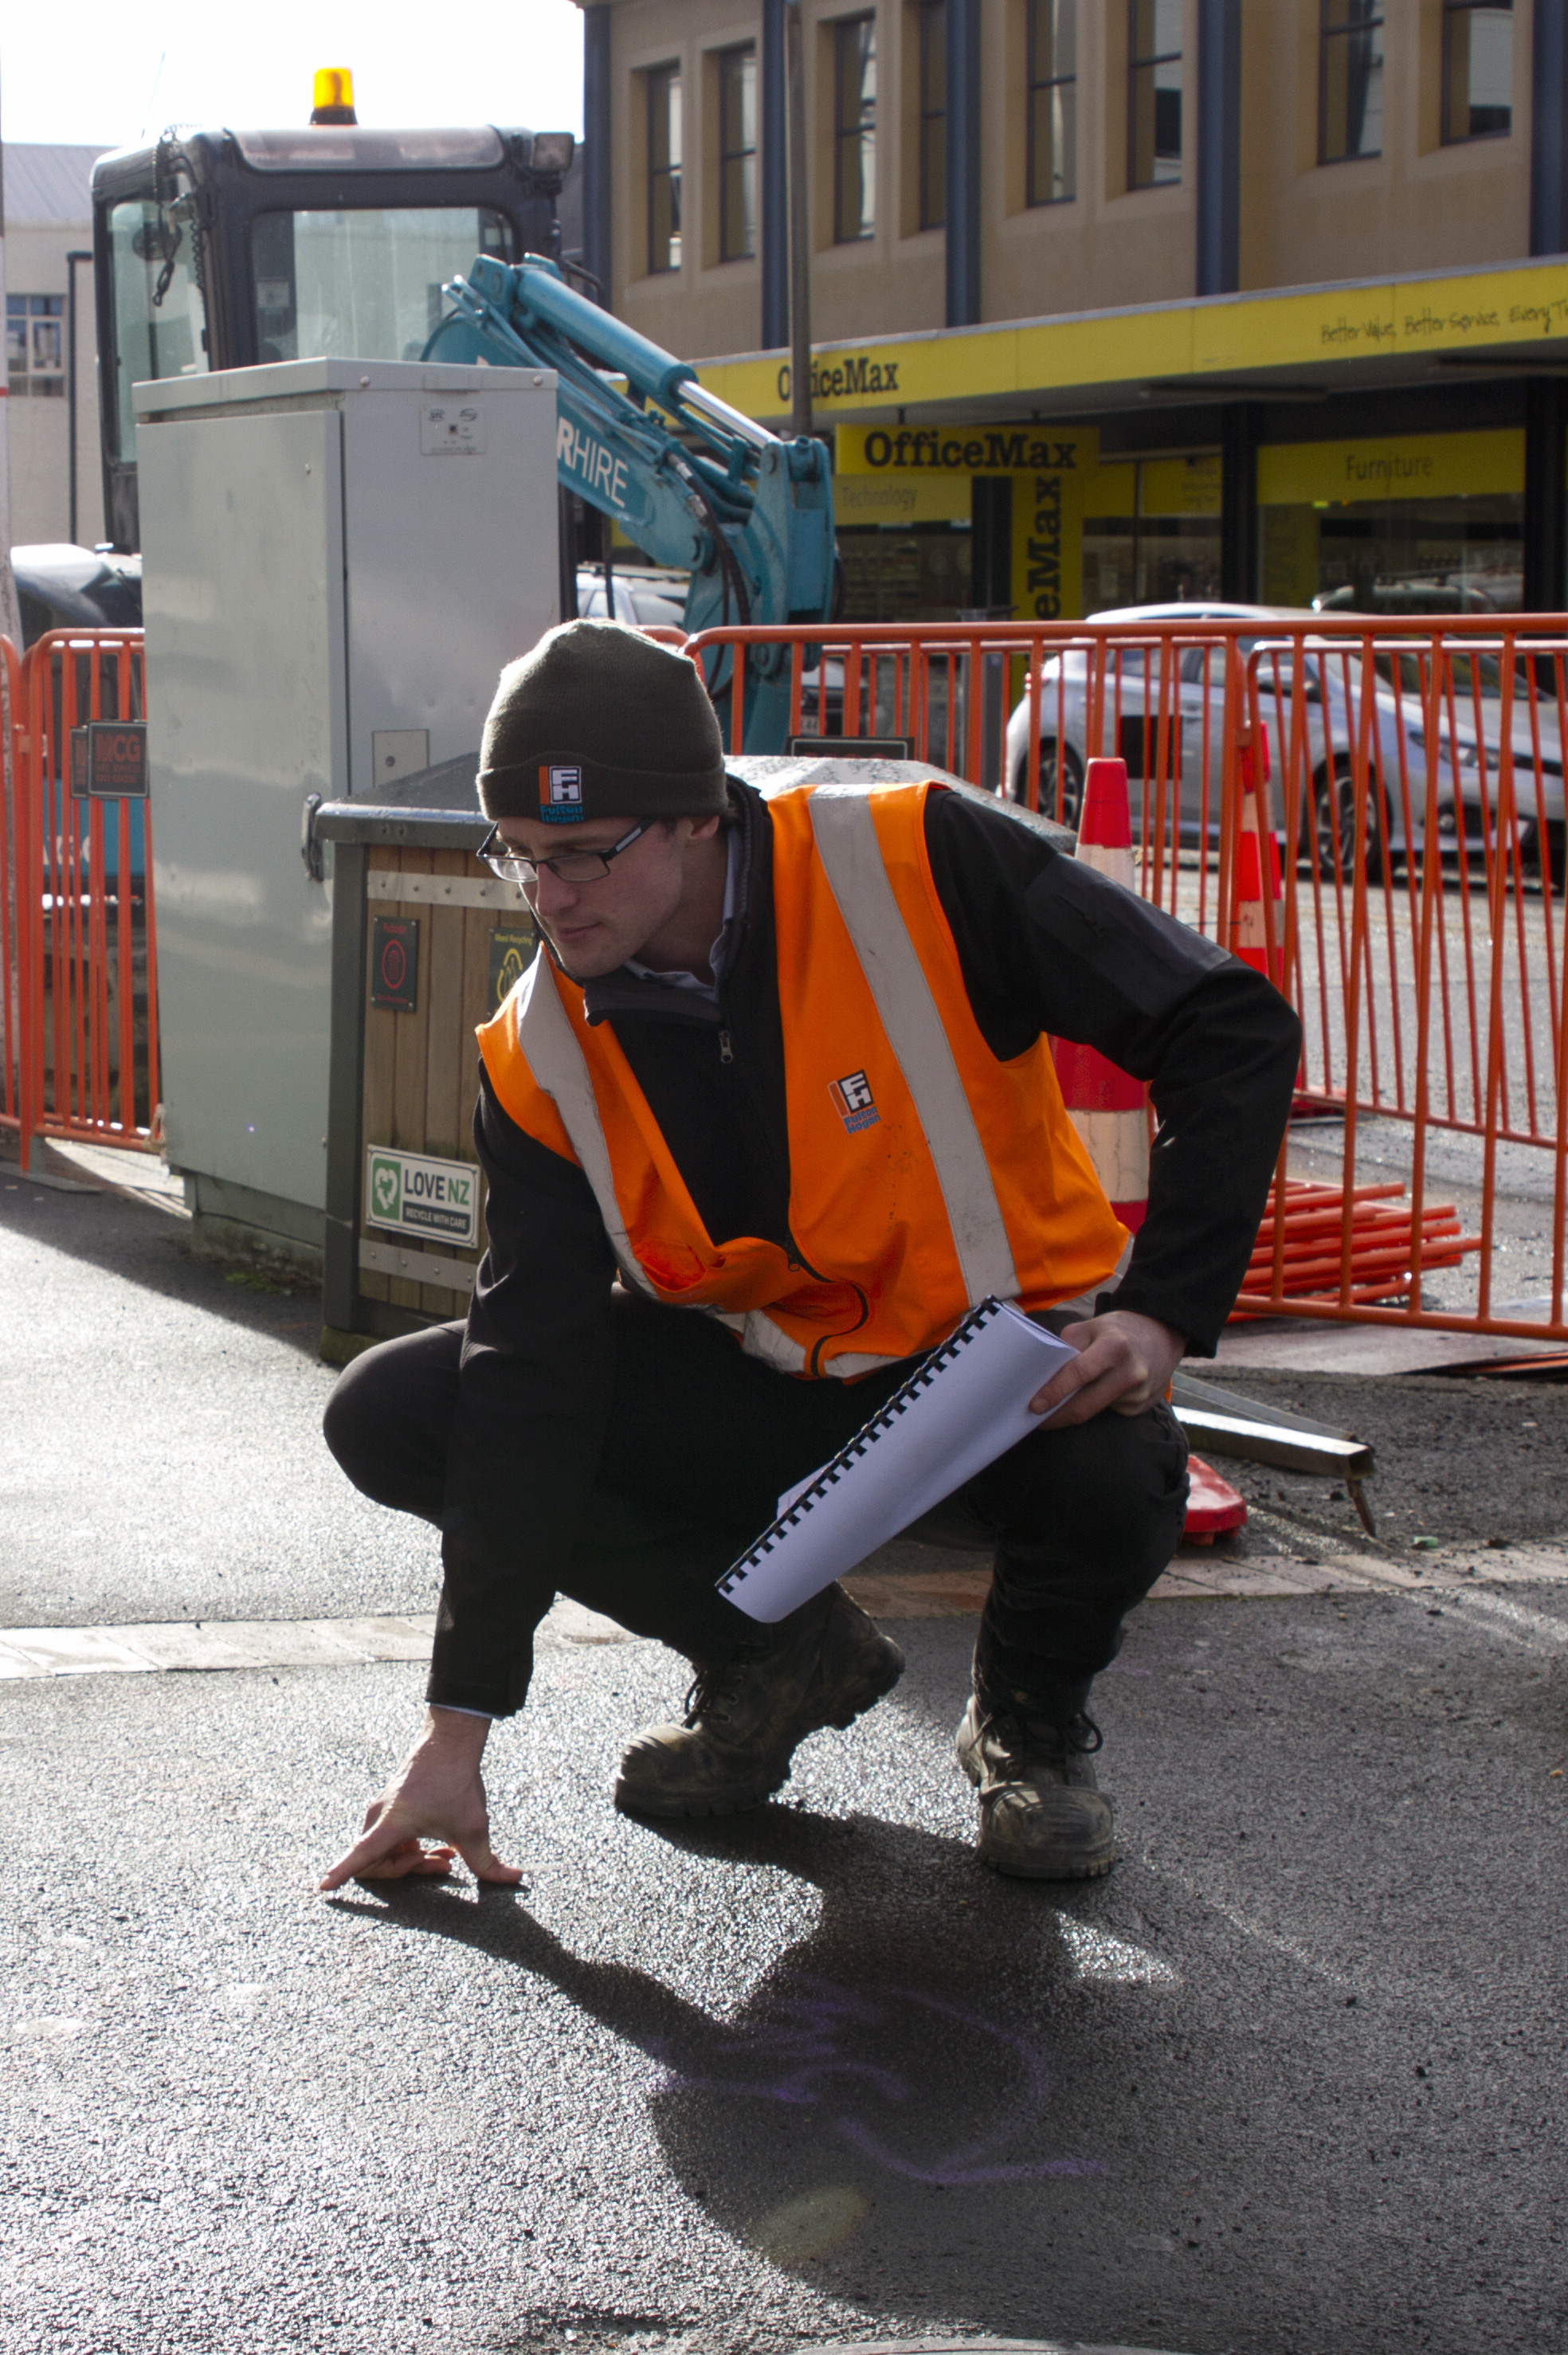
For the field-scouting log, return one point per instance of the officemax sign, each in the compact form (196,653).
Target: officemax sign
(927,449)
(841,379)
(409,1195)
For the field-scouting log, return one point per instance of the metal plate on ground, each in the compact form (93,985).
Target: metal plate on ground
(969,2346)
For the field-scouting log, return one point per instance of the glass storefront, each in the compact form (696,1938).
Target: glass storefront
(1370,556)
(1430,524)
(921,574)
(1151,531)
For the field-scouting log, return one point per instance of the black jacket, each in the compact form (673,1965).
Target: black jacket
(1044,944)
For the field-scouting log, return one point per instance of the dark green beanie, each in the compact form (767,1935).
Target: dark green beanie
(600,722)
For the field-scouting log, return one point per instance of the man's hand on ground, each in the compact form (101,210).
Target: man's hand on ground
(1125,1361)
(435,1794)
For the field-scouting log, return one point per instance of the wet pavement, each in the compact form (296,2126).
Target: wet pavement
(1290,2079)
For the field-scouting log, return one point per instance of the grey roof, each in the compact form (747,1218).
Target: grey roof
(49,184)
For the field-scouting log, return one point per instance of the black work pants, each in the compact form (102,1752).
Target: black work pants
(702,1440)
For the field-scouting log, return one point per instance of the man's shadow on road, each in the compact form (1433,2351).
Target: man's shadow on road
(879,2092)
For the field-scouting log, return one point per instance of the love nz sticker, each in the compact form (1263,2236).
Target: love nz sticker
(409,1195)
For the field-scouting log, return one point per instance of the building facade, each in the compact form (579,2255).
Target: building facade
(48,216)
(1122,300)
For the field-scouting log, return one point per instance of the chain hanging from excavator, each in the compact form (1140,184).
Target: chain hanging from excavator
(698,487)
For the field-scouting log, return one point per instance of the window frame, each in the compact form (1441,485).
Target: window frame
(661,81)
(1453,11)
(931,214)
(29,312)
(737,54)
(1033,84)
(1146,63)
(862,133)
(1377,23)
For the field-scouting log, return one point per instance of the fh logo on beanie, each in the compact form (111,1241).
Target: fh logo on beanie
(561,795)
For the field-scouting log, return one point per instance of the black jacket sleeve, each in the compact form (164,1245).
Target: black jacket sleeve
(533,1395)
(1047,944)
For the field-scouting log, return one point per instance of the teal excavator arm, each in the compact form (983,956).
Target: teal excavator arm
(749,516)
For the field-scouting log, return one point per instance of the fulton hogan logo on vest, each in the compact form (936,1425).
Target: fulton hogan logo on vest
(852,1098)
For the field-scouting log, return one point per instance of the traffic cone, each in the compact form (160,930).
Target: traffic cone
(1257,855)
(1213,1506)
(1108,1108)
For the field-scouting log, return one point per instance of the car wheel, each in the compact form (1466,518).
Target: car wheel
(1072,782)
(1334,813)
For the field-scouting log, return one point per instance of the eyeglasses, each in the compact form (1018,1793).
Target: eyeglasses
(567,866)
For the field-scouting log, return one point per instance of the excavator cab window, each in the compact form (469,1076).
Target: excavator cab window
(160,314)
(362,284)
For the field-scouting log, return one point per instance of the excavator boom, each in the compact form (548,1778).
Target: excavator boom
(689,480)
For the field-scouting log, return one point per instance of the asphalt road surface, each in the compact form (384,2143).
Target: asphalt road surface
(1290,2081)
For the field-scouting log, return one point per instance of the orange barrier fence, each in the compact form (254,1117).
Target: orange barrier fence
(80,1034)
(1371,809)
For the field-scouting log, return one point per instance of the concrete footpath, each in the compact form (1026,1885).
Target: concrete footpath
(1290,2079)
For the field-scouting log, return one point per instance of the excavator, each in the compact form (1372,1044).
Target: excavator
(216,249)
(684,475)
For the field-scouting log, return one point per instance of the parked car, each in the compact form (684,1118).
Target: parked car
(1472,724)
(1192,744)
(61,587)
(644,597)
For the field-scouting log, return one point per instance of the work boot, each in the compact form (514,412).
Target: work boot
(822,1666)
(1042,1814)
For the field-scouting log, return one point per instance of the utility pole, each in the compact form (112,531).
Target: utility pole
(72,263)
(10,619)
(799,225)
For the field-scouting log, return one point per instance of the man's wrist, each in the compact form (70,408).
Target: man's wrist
(462,1730)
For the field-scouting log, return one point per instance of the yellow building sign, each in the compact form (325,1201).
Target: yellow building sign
(862,500)
(1218,337)
(908,453)
(1396,466)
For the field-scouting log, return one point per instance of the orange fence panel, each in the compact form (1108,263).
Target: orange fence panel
(1370,810)
(80,939)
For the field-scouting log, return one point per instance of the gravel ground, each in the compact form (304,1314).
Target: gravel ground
(1460,1460)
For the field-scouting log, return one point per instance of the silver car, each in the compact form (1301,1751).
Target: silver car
(1470,685)
(1165,714)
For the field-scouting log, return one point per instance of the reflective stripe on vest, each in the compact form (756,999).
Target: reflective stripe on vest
(549,1042)
(852,856)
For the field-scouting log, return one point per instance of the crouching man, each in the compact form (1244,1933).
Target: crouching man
(773,1108)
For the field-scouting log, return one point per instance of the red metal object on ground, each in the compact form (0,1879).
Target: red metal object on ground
(1316,1234)
(1109,1108)
(1213,1506)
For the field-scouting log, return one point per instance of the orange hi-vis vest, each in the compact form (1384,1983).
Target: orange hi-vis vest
(924,1175)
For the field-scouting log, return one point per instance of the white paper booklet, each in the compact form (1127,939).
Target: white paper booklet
(967,1404)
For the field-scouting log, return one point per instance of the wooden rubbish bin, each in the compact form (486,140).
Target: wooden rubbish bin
(425,942)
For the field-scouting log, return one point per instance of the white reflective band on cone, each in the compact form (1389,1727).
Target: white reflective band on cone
(1117,864)
(1117,1144)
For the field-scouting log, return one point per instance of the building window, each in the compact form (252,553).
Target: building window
(35,345)
(855,129)
(737,154)
(1477,69)
(933,113)
(1154,93)
(664,169)
(1349,80)
(1054,102)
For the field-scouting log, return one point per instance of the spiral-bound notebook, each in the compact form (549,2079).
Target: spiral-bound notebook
(967,1404)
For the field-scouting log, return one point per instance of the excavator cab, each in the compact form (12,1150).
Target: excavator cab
(227,248)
